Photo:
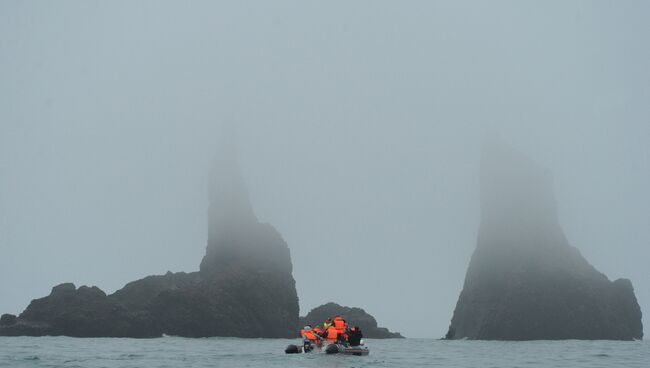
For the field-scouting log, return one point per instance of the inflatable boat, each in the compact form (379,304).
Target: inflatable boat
(330,349)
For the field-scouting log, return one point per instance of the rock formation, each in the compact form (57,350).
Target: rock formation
(244,288)
(82,312)
(524,281)
(354,316)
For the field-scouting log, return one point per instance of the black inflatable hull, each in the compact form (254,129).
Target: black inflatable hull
(296,349)
(350,350)
(293,349)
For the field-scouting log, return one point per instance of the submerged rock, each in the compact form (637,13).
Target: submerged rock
(524,281)
(354,316)
(244,288)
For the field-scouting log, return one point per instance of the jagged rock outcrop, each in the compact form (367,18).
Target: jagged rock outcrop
(82,312)
(524,281)
(8,319)
(354,316)
(244,288)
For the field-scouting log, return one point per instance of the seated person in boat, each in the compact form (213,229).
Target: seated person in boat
(327,324)
(354,336)
(309,337)
(331,334)
(341,328)
(318,331)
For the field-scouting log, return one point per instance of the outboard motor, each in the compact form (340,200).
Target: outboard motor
(293,349)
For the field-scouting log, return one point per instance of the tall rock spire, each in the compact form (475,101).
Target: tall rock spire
(246,260)
(514,189)
(228,195)
(236,238)
(244,288)
(524,281)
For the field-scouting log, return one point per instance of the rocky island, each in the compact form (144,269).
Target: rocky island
(525,281)
(244,287)
(355,316)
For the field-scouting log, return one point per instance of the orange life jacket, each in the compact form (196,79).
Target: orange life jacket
(310,335)
(317,330)
(332,334)
(339,324)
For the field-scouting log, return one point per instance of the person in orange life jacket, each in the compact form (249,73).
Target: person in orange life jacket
(318,331)
(309,338)
(326,326)
(341,327)
(339,324)
(308,334)
(331,334)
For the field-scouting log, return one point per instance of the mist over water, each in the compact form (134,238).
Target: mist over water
(358,131)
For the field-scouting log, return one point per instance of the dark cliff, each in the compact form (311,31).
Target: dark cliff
(354,316)
(244,288)
(524,281)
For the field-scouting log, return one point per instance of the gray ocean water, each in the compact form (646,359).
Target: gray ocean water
(268,353)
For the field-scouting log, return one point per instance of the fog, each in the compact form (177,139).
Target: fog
(358,131)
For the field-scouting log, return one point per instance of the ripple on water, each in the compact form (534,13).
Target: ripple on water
(131,356)
(62,352)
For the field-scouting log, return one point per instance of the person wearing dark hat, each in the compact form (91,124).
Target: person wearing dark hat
(354,336)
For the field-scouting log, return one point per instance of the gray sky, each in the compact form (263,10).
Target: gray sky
(358,128)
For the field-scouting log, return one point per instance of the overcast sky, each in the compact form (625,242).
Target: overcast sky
(359,128)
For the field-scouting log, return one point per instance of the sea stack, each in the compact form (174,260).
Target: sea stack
(244,288)
(354,316)
(525,281)
(246,259)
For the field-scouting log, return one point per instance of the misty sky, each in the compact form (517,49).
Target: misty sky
(358,125)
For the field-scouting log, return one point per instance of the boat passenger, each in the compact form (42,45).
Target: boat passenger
(309,336)
(317,330)
(339,324)
(354,336)
(341,327)
(331,334)
(327,324)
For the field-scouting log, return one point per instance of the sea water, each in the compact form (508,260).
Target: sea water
(269,353)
